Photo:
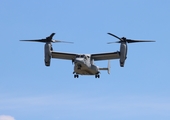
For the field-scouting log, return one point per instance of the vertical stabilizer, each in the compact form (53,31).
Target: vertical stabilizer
(108,67)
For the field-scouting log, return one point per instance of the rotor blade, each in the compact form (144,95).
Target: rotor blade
(133,41)
(48,39)
(52,34)
(38,40)
(114,42)
(54,41)
(115,36)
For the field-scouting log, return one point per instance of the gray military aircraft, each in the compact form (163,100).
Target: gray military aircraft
(84,63)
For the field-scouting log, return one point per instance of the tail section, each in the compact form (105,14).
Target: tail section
(108,67)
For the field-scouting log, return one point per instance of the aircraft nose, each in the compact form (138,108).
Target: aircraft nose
(80,61)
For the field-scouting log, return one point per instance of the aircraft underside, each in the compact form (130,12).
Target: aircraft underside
(82,69)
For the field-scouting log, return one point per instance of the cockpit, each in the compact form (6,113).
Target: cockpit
(82,56)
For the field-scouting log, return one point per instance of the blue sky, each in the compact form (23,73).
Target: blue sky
(30,90)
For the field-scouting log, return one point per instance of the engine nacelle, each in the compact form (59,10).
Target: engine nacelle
(47,53)
(123,53)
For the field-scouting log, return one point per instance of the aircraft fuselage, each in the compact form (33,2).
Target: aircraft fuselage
(83,65)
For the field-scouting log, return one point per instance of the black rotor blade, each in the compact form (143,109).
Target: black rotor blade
(47,40)
(39,40)
(52,34)
(133,41)
(115,36)
(114,42)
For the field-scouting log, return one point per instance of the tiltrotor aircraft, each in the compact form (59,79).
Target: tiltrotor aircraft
(84,63)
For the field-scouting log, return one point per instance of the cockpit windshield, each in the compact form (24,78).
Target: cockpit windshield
(83,56)
(80,56)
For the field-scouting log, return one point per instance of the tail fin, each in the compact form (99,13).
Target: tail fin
(108,67)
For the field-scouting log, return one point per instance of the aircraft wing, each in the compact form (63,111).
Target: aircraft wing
(106,56)
(62,55)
